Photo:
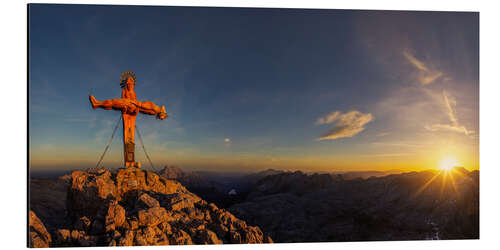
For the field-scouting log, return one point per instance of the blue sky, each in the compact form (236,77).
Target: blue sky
(248,89)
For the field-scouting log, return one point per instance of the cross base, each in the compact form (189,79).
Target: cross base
(133,165)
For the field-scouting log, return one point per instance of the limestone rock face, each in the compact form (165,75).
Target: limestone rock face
(137,207)
(38,235)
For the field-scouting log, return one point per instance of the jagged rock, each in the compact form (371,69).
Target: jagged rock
(137,207)
(146,201)
(39,237)
(146,236)
(133,223)
(206,236)
(136,179)
(178,202)
(179,237)
(65,237)
(152,216)
(115,217)
(165,228)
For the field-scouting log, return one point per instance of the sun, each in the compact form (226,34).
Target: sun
(448,163)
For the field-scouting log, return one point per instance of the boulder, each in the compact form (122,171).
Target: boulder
(115,217)
(146,201)
(152,216)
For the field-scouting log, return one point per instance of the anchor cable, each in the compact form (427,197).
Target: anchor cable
(144,148)
(123,153)
(109,142)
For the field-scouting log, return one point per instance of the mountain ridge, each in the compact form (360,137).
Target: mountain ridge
(408,206)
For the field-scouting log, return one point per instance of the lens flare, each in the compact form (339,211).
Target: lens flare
(448,163)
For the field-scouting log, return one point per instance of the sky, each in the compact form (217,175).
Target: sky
(248,89)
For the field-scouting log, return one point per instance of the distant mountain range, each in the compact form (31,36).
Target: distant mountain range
(216,186)
(349,175)
(296,207)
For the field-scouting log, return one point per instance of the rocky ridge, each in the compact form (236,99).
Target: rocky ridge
(410,206)
(137,207)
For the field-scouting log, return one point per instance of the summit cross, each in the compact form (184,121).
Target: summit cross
(129,107)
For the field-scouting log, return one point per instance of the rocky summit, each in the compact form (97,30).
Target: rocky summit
(137,207)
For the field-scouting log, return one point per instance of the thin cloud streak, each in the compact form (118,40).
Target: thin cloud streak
(426,75)
(450,104)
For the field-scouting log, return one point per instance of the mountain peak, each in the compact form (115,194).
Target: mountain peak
(138,207)
(461,169)
(171,172)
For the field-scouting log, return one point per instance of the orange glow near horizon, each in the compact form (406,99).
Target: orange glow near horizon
(435,158)
(448,163)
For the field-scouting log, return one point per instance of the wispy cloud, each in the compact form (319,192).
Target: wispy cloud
(450,104)
(448,127)
(328,118)
(426,75)
(345,125)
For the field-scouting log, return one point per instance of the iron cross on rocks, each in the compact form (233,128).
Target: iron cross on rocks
(130,107)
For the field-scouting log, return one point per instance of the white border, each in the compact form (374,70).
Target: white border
(13,100)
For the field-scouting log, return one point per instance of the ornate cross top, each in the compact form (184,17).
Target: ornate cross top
(130,107)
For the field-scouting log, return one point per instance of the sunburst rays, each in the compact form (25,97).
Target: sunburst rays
(447,177)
